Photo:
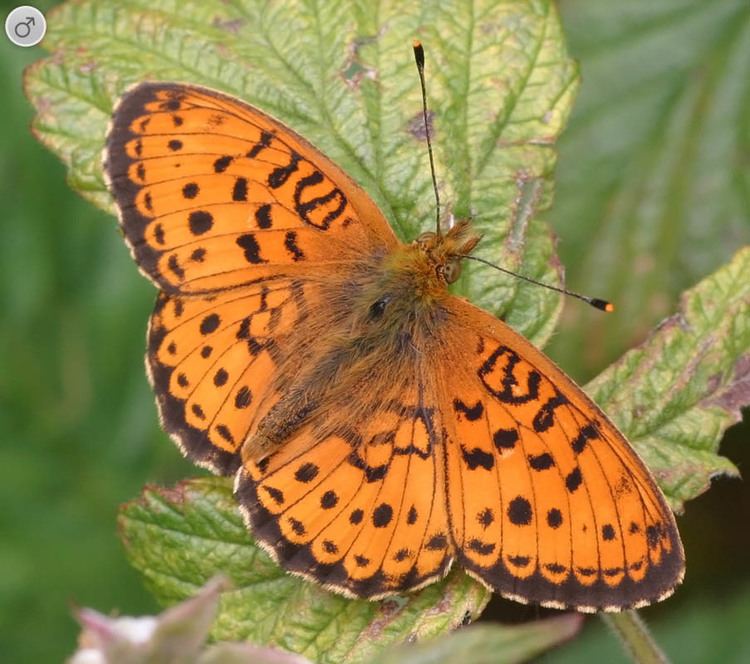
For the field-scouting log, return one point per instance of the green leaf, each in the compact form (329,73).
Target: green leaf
(179,538)
(500,86)
(488,644)
(675,394)
(653,181)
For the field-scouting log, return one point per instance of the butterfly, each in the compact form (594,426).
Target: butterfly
(379,429)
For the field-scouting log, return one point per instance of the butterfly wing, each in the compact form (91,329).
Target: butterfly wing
(548,501)
(239,221)
(212,362)
(214,193)
(362,509)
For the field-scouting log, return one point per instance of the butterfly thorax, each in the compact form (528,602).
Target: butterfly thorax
(402,296)
(415,277)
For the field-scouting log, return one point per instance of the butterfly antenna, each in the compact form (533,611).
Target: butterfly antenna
(597,303)
(419,57)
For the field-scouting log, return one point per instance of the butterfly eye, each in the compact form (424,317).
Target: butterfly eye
(377,308)
(451,271)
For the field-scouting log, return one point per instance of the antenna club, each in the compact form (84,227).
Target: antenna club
(602,305)
(418,53)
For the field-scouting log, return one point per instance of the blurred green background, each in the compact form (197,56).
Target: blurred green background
(654,193)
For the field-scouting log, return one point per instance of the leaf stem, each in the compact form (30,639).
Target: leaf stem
(635,637)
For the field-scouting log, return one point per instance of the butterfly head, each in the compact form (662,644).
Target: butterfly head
(445,251)
(415,277)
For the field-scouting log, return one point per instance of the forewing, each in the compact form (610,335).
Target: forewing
(214,193)
(548,501)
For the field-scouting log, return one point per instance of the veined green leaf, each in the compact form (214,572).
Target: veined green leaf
(675,394)
(500,86)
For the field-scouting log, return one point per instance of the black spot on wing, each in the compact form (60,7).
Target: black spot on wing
(519,511)
(251,249)
(471,413)
(477,458)
(587,432)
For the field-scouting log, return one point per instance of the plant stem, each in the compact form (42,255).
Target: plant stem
(635,637)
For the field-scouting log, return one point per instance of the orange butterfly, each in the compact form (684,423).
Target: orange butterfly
(378,427)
